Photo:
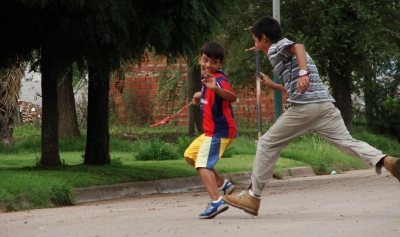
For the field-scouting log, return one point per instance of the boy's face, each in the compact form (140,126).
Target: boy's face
(262,44)
(209,65)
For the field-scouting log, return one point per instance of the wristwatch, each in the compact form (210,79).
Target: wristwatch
(303,73)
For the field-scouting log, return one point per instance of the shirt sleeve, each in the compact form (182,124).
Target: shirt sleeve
(279,50)
(223,83)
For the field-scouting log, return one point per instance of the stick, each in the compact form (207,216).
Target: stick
(249,49)
(167,119)
(258,94)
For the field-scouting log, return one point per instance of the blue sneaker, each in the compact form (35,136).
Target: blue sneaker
(213,209)
(227,187)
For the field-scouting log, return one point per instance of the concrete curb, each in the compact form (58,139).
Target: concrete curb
(175,185)
(164,186)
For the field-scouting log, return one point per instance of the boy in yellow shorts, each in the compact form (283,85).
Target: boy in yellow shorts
(219,127)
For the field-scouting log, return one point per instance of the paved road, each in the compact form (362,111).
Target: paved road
(358,203)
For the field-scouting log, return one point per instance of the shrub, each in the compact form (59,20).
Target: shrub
(229,152)
(157,150)
(388,121)
(183,143)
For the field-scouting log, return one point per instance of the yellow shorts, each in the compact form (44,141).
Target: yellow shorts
(206,151)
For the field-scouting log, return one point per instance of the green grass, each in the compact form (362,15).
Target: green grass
(321,156)
(25,186)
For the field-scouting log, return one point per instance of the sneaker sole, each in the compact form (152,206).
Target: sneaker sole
(249,211)
(224,208)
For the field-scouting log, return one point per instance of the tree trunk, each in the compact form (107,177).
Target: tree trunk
(97,143)
(50,147)
(10,81)
(194,85)
(6,121)
(67,118)
(341,83)
(17,118)
(369,90)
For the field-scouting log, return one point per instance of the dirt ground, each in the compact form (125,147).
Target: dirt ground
(357,203)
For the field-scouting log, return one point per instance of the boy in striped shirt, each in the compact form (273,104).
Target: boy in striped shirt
(311,109)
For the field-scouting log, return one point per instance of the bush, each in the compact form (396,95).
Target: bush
(184,143)
(229,152)
(157,150)
(388,121)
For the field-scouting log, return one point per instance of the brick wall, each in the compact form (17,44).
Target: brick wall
(141,83)
(29,112)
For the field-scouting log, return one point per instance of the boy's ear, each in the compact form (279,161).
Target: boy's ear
(264,38)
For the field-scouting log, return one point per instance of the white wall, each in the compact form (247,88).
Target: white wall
(31,88)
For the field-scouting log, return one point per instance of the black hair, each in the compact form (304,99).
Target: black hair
(269,27)
(213,50)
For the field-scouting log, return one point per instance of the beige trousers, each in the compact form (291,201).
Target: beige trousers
(325,120)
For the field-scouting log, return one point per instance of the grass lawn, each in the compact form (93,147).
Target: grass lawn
(23,182)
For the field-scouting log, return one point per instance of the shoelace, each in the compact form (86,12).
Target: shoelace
(208,207)
(242,193)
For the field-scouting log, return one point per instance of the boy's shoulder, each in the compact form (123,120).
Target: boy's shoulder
(219,74)
(284,41)
(280,45)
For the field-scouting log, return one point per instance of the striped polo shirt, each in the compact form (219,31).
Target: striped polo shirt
(287,68)
(217,113)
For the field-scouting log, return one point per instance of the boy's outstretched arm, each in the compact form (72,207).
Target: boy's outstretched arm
(300,52)
(268,82)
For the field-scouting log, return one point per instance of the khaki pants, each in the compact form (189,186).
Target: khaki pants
(325,120)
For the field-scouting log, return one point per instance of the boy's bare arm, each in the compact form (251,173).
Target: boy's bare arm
(268,82)
(300,52)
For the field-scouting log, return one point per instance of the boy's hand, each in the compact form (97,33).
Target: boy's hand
(303,84)
(266,80)
(196,98)
(209,81)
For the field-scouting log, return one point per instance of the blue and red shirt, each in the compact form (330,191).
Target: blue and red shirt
(217,113)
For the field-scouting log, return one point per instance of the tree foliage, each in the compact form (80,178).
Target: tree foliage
(349,39)
(240,64)
(351,42)
(100,33)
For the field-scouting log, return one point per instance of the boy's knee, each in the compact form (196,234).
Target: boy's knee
(189,161)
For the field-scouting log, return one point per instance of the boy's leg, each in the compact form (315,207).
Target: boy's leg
(331,127)
(208,156)
(220,181)
(208,178)
(224,184)
(192,151)
(218,178)
(292,124)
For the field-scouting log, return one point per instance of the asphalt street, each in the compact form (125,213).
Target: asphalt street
(356,203)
